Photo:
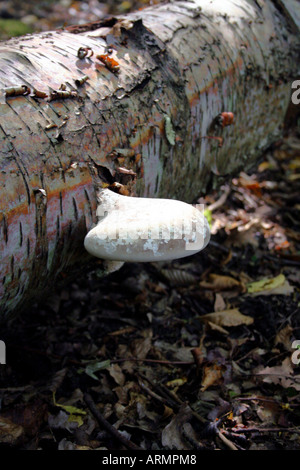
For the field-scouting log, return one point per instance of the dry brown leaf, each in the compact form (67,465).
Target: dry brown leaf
(212,375)
(230,317)
(284,337)
(179,277)
(172,434)
(167,412)
(214,326)
(116,373)
(281,375)
(268,412)
(140,347)
(264,166)
(219,303)
(218,282)
(10,433)
(245,237)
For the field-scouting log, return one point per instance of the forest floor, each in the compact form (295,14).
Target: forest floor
(196,354)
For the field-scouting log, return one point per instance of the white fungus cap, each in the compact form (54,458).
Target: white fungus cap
(146,229)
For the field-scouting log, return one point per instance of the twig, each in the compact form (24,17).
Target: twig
(268,400)
(217,204)
(175,397)
(152,394)
(154,361)
(223,248)
(287,262)
(107,426)
(226,441)
(296,431)
(172,400)
(160,393)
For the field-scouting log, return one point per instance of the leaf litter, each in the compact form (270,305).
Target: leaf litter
(188,355)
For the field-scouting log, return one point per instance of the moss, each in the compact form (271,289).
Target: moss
(11,27)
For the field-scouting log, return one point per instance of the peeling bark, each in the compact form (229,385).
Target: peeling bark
(82,106)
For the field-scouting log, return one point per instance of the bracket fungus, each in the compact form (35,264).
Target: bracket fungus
(146,229)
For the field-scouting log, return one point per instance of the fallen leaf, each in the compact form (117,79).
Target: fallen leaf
(218,282)
(294,164)
(281,375)
(246,236)
(230,317)
(93,367)
(293,176)
(264,166)
(73,412)
(214,326)
(10,433)
(64,444)
(284,337)
(274,286)
(268,412)
(30,415)
(212,375)
(172,434)
(139,348)
(179,277)
(116,373)
(61,421)
(176,382)
(219,303)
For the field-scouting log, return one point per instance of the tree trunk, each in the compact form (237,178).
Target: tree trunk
(80,107)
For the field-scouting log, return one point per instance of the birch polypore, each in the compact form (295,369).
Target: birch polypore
(146,229)
(148,122)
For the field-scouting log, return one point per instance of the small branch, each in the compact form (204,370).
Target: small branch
(152,394)
(219,203)
(160,394)
(226,441)
(287,262)
(168,397)
(154,361)
(107,426)
(236,431)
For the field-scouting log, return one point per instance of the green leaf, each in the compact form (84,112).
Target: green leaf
(266,284)
(93,367)
(208,214)
(73,412)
